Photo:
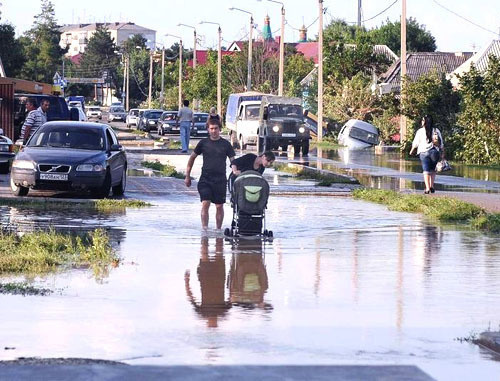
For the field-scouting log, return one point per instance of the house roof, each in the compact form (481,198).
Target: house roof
(480,60)
(308,49)
(76,58)
(420,63)
(202,55)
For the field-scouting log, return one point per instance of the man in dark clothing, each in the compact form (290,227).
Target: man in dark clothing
(250,162)
(212,184)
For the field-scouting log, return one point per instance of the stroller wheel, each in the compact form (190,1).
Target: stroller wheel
(265,233)
(270,234)
(227,232)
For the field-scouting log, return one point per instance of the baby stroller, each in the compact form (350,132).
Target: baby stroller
(249,195)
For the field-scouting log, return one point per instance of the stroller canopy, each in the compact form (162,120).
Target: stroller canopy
(251,192)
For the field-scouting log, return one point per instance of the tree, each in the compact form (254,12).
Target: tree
(296,68)
(479,138)
(41,46)
(432,94)
(350,99)
(11,51)
(418,39)
(100,58)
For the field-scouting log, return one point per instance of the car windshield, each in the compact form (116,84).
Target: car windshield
(200,118)
(363,135)
(117,109)
(153,114)
(64,137)
(134,112)
(94,109)
(279,110)
(168,116)
(252,112)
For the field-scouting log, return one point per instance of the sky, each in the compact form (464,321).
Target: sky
(451,31)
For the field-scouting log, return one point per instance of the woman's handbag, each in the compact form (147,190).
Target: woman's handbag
(443,166)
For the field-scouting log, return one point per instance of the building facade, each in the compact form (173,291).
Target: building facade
(75,37)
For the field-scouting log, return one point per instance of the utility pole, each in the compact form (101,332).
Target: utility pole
(219,74)
(162,93)
(127,63)
(250,41)
(124,60)
(150,77)
(320,72)
(282,51)
(402,128)
(195,102)
(359,13)
(180,73)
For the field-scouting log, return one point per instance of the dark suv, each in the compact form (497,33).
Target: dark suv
(58,109)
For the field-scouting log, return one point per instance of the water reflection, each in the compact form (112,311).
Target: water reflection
(211,275)
(247,279)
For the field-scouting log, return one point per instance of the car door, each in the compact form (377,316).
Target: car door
(116,159)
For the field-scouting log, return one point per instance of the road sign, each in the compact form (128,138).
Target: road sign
(84,80)
(57,78)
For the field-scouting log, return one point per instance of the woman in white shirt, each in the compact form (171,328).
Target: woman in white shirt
(428,143)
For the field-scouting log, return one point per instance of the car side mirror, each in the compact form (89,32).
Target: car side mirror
(1,131)
(115,147)
(265,115)
(74,114)
(306,112)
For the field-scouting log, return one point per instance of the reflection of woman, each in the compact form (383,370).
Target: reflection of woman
(212,275)
(428,143)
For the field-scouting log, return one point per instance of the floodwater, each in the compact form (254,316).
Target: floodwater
(389,171)
(343,282)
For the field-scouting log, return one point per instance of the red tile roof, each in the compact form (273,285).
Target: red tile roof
(308,49)
(202,55)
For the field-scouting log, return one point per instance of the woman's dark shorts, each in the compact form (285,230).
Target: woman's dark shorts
(212,189)
(429,160)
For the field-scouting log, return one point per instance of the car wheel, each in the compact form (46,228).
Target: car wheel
(4,167)
(119,190)
(18,190)
(103,191)
(263,145)
(305,148)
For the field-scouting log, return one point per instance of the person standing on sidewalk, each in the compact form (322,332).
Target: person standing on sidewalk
(185,118)
(212,183)
(428,143)
(35,120)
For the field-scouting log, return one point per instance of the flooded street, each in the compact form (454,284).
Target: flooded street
(343,282)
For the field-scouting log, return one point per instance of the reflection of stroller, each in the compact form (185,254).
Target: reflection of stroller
(249,195)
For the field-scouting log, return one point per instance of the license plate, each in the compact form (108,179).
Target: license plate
(54,176)
(287,135)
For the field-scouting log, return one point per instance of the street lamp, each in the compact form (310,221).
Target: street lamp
(219,66)
(249,69)
(180,67)
(282,46)
(194,46)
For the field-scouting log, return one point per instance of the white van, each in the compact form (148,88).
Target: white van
(357,134)
(242,117)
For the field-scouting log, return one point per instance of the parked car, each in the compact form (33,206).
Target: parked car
(81,115)
(149,120)
(131,119)
(71,156)
(58,109)
(6,153)
(117,113)
(167,124)
(200,124)
(94,112)
(357,134)
(75,104)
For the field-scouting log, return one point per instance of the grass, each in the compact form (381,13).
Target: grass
(326,143)
(443,209)
(300,173)
(22,288)
(138,132)
(42,252)
(175,144)
(104,205)
(165,169)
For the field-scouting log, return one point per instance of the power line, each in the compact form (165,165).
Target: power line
(466,19)
(381,12)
